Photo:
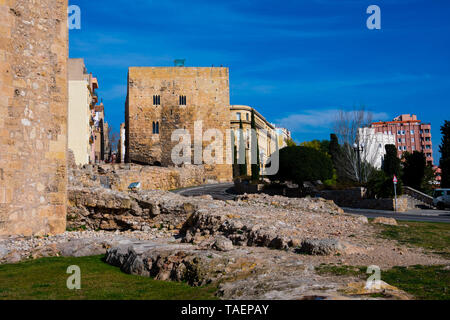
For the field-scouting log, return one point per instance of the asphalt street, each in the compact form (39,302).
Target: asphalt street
(224,191)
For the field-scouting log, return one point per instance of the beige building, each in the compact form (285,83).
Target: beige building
(82,99)
(161,100)
(121,146)
(284,135)
(266,132)
(100,133)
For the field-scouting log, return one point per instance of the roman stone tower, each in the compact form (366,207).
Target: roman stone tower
(163,99)
(33,116)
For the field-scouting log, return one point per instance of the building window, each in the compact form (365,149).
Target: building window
(427,131)
(247,117)
(399,132)
(156,100)
(400,140)
(428,147)
(427,139)
(238,116)
(156,127)
(412,131)
(428,155)
(413,148)
(404,148)
(183,100)
(400,148)
(413,140)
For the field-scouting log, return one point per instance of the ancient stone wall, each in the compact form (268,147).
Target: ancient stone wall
(33,116)
(118,177)
(207,98)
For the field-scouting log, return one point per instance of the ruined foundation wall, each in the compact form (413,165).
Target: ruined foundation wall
(33,116)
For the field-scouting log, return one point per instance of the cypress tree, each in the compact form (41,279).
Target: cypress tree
(391,164)
(414,170)
(445,155)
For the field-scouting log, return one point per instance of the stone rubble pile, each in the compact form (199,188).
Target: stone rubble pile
(201,241)
(69,244)
(255,220)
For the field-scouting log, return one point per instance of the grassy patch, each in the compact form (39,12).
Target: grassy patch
(45,279)
(434,237)
(423,282)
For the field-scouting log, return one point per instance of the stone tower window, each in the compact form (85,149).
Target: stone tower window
(155,127)
(156,100)
(183,100)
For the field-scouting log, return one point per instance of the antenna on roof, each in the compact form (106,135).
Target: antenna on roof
(180,62)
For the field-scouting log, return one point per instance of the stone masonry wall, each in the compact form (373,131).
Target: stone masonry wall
(207,98)
(118,177)
(33,116)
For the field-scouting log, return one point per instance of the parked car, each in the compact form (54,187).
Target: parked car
(441,198)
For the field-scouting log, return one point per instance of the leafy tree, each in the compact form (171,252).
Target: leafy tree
(335,152)
(391,164)
(381,186)
(300,164)
(445,155)
(256,167)
(414,169)
(430,176)
(290,143)
(322,146)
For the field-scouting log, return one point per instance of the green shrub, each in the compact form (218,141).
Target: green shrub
(300,164)
(381,185)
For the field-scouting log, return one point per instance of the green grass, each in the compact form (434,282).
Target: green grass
(434,237)
(423,282)
(45,279)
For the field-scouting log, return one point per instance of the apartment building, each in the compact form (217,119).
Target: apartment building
(82,100)
(373,145)
(410,133)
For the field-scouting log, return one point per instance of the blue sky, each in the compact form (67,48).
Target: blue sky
(297,62)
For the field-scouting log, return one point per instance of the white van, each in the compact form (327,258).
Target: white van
(441,198)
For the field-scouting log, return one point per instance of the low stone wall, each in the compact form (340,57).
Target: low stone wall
(345,198)
(355,198)
(118,177)
(244,187)
(384,204)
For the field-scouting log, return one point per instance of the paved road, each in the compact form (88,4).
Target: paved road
(224,191)
(414,215)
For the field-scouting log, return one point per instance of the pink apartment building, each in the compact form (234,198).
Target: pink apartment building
(410,135)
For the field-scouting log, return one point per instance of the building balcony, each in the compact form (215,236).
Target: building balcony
(94,97)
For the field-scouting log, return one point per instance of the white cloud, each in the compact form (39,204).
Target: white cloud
(317,120)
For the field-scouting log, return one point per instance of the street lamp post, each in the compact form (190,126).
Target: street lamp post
(358,149)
